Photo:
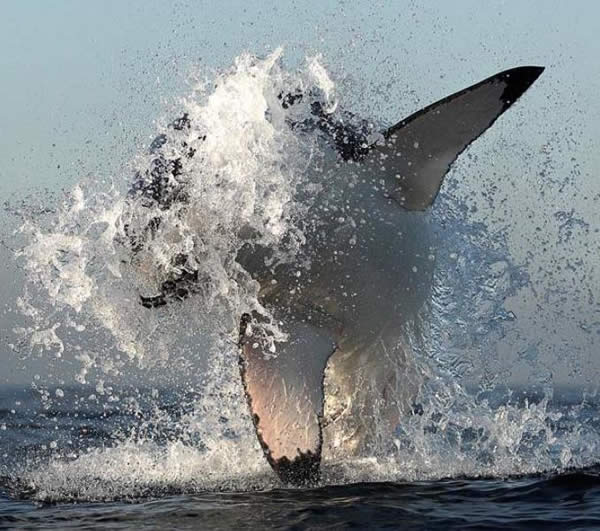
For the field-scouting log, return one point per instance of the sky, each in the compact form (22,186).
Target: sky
(83,84)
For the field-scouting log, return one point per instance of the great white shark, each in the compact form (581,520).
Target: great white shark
(368,272)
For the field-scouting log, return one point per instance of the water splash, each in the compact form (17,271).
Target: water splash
(241,168)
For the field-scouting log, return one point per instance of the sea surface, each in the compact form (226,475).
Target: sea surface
(33,496)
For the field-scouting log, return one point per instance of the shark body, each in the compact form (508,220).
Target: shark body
(368,273)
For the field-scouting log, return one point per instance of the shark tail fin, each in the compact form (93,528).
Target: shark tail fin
(417,152)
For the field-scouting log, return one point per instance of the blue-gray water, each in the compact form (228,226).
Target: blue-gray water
(568,501)
(553,499)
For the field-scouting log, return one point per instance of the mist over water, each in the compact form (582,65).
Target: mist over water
(250,181)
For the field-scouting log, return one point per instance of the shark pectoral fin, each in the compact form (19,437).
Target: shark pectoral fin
(285,395)
(417,152)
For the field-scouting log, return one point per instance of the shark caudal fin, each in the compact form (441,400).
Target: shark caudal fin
(417,152)
(285,395)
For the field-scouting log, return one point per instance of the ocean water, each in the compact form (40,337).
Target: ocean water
(139,416)
(42,486)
